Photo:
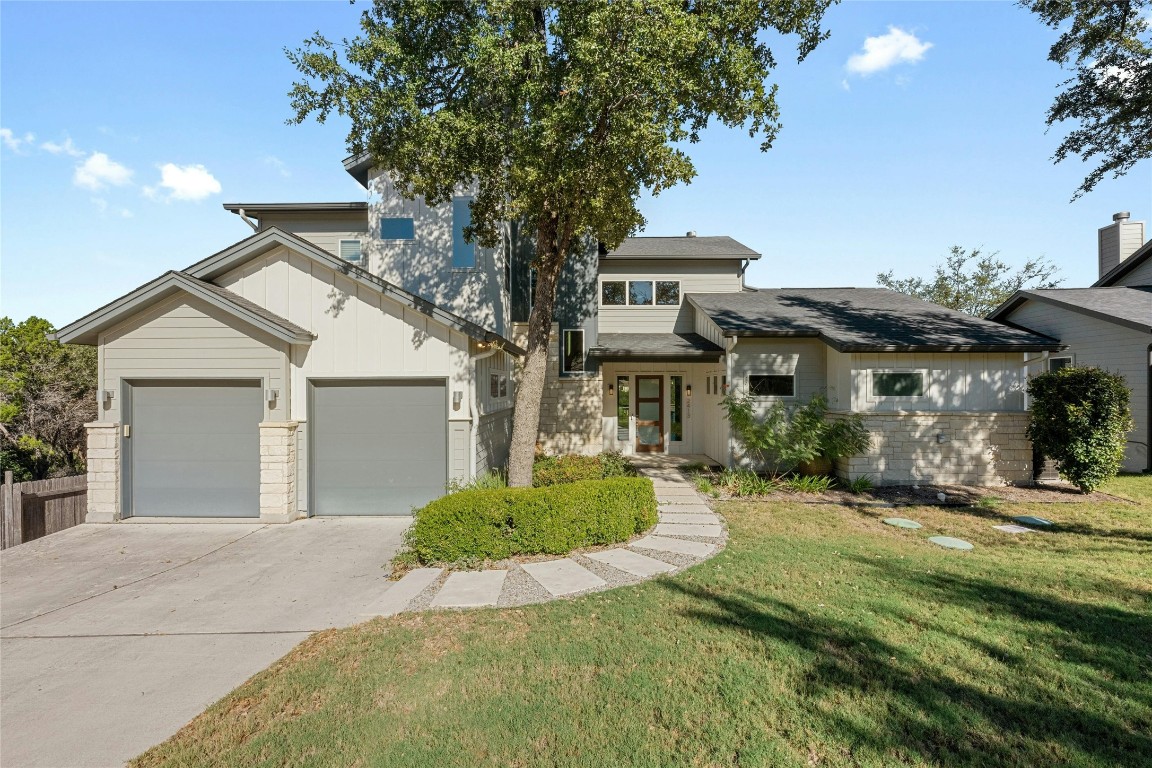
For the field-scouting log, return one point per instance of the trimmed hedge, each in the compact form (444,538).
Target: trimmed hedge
(571,468)
(499,523)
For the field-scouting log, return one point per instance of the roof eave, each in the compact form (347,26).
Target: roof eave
(358,167)
(1104,316)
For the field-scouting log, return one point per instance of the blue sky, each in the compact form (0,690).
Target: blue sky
(916,126)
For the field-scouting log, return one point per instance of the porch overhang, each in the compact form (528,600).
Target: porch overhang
(655,348)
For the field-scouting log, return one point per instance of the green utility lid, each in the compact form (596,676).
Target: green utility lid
(950,543)
(1030,520)
(902,522)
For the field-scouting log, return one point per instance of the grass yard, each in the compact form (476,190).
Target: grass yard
(820,637)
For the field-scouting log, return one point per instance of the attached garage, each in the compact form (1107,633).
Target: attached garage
(378,447)
(192,448)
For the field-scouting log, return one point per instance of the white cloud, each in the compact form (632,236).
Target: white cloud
(125,213)
(14,142)
(65,148)
(886,51)
(279,165)
(185,182)
(100,171)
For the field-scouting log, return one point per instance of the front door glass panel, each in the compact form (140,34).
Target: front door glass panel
(650,413)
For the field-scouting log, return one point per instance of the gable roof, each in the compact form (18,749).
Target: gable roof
(862,320)
(1142,254)
(1123,305)
(86,330)
(274,237)
(681,248)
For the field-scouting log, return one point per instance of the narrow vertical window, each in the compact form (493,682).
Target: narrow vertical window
(676,409)
(531,287)
(572,357)
(463,252)
(623,408)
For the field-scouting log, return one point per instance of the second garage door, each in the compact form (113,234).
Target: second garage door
(377,448)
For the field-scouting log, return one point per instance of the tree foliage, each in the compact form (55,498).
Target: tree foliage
(47,394)
(974,282)
(1108,46)
(1081,419)
(560,113)
(780,438)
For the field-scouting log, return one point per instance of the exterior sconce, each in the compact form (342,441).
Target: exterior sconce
(611,390)
(106,397)
(271,395)
(457,399)
(688,390)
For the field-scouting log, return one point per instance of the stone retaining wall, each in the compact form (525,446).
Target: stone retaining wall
(964,448)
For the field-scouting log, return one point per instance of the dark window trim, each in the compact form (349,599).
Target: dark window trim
(564,335)
(921,372)
(790,376)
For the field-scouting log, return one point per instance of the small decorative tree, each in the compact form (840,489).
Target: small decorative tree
(1080,418)
(782,438)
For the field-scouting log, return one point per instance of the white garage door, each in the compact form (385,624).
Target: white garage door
(377,448)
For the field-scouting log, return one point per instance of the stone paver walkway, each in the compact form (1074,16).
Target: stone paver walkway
(688,531)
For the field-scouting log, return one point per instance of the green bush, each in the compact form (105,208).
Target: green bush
(571,468)
(493,524)
(1080,417)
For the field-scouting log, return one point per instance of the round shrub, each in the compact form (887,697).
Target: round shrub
(571,468)
(554,520)
(1080,418)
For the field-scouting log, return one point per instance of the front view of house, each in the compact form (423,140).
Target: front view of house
(356,358)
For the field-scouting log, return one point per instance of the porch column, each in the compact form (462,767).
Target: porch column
(103,465)
(278,471)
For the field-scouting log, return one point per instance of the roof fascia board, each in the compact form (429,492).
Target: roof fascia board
(161,288)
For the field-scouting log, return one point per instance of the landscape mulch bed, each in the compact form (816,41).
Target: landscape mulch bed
(955,495)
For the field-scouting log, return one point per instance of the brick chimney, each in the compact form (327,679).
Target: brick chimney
(1118,241)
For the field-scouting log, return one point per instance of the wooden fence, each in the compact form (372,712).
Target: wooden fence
(39,507)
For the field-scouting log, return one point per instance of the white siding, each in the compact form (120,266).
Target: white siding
(719,276)
(500,364)
(187,338)
(708,329)
(360,334)
(324,231)
(956,381)
(1105,345)
(803,358)
(1142,275)
(493,439)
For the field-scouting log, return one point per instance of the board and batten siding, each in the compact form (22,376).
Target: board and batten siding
(1096,342)
(704,326)
(184,337)
(958,381)
(493,440)
(500,364)
(359,332)
(702,276)
(325,231)
(802,358)
(423,265)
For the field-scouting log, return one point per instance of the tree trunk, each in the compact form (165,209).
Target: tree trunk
(534,372)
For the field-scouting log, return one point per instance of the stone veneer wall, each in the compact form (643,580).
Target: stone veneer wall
(570,420)
(978,449)
(278,471)
(103,460)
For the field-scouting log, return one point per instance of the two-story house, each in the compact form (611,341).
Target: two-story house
(354,358)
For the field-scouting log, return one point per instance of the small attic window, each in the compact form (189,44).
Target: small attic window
(350,251)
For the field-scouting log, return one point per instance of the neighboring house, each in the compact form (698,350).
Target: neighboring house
(1108,325)
(355,358)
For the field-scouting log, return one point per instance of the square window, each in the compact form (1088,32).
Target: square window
(897,384)
(640,292)
(350,251)
(668,293)
(572,357)
(613,293)
(397,229)
(772,385)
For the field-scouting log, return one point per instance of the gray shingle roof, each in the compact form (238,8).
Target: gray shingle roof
(1127,306)
(863,320)
(610,346)
(681,248)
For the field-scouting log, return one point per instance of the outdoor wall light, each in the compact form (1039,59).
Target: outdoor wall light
(688,390)
(271,395)
(106,396)
(457,399)
(611,389)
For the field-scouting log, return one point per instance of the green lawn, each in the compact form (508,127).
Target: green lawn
(820,637)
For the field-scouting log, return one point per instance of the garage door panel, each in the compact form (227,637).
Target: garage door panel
(195,450)
(379,448)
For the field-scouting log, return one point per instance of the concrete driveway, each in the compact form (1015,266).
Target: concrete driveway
(114,636)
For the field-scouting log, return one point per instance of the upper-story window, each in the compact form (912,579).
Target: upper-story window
(463,252)
(640,293)
(350,251)
(398,228)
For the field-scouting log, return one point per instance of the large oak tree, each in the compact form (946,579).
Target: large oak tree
(560,112)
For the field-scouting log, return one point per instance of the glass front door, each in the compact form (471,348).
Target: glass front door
(650,414)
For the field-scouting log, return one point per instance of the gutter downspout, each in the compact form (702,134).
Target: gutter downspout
(248,221)
(474,404)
